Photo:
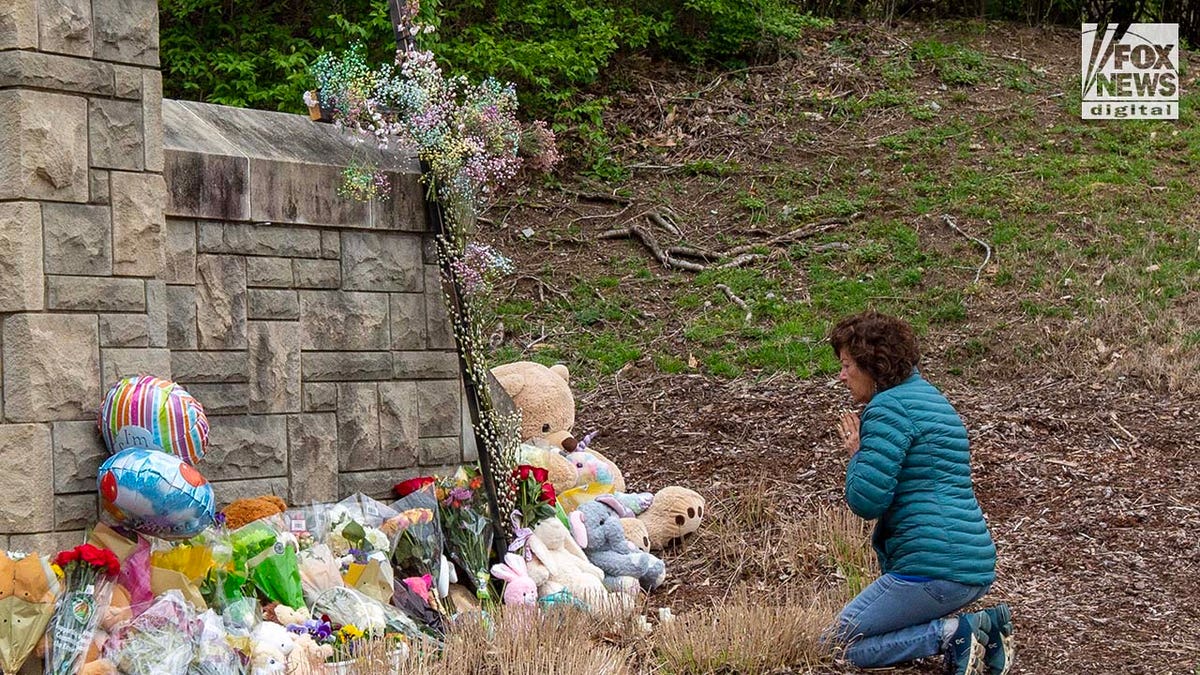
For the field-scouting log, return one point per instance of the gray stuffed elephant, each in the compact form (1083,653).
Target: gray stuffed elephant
(609,549)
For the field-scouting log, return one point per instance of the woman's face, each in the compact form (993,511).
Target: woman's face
(860,384)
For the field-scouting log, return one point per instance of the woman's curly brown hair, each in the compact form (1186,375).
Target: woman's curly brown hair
(884,347)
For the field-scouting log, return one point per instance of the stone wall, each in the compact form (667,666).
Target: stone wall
(208,245)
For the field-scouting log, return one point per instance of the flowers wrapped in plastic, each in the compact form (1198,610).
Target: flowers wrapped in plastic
(28,588)
(418,536)
(181,567)
(133,552)
(466,527)
(88,577)
(319,571)
(347,606)
(352,529)
(269,558)
(158,642)
(214,655)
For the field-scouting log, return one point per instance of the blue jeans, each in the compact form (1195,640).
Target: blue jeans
(894,620)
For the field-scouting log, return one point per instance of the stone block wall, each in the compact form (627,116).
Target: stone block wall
(207,245)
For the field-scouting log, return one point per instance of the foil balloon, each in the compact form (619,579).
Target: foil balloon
(155,493)
(149,412)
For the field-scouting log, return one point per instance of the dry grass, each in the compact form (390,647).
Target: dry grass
(748,634)
(762,625)
(788,568)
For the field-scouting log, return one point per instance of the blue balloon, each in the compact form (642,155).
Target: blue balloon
(155,493)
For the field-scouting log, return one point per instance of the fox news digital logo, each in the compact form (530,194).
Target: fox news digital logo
(1133,77)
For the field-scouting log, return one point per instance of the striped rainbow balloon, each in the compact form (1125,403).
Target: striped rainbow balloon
(149,412)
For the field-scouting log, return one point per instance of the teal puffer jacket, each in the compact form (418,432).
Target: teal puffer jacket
(913,472)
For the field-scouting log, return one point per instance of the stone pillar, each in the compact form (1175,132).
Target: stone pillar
(82,240)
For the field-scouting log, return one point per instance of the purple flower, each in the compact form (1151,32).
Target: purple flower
(460,494)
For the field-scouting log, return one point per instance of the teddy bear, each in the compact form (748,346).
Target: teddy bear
(547,406)
(674,512)
(560,564)
(243,511)
(307,656)
(636,533)
(271,646)
(542,394)
(610,550)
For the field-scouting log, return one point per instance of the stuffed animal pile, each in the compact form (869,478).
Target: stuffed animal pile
(613,532)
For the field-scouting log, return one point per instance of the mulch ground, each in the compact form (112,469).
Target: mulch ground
(1090,493)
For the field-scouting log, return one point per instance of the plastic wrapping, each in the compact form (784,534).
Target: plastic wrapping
(157,642)
(214,655)
(347,606)
(28,589)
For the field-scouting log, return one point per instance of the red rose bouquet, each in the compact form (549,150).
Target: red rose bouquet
(535,495)
(88,574)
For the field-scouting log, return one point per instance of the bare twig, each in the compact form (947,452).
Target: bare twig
(651,243)
(598,216)
(949,220)
(742,260)
(541,285)
(596,196)
(735,300)
(802,232)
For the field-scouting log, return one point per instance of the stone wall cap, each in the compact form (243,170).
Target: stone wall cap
(190,126)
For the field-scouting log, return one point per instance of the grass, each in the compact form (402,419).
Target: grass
(1092,228)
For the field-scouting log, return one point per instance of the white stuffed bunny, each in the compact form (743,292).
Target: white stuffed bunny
(561,564)
(519,588)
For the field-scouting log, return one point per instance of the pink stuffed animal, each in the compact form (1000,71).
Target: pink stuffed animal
(519,588)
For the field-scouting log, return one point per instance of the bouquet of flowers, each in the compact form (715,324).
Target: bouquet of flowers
(535,495)
(267,557)
(465,525)
(157,642)
(354,532)
(214,655)
(88,574)
(28,587)
(343,605)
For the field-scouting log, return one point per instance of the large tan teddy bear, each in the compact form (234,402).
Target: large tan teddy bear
(543,396)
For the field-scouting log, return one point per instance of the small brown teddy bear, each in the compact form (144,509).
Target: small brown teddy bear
(675,512)
(243,511)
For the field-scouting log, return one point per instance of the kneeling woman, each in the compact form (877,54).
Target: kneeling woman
(910,469)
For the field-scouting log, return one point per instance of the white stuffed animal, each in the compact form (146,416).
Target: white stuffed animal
(271,644)
(561,564)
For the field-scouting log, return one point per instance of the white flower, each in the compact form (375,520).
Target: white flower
(377,539)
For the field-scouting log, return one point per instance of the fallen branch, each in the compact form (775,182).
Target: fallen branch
(599,216)
(597,196)
(735,300)
(949,220)
(651,243)
(664,222)
(742,260)
(802,232)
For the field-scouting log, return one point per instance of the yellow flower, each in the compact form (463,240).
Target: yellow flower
(350,632)
(57,570)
